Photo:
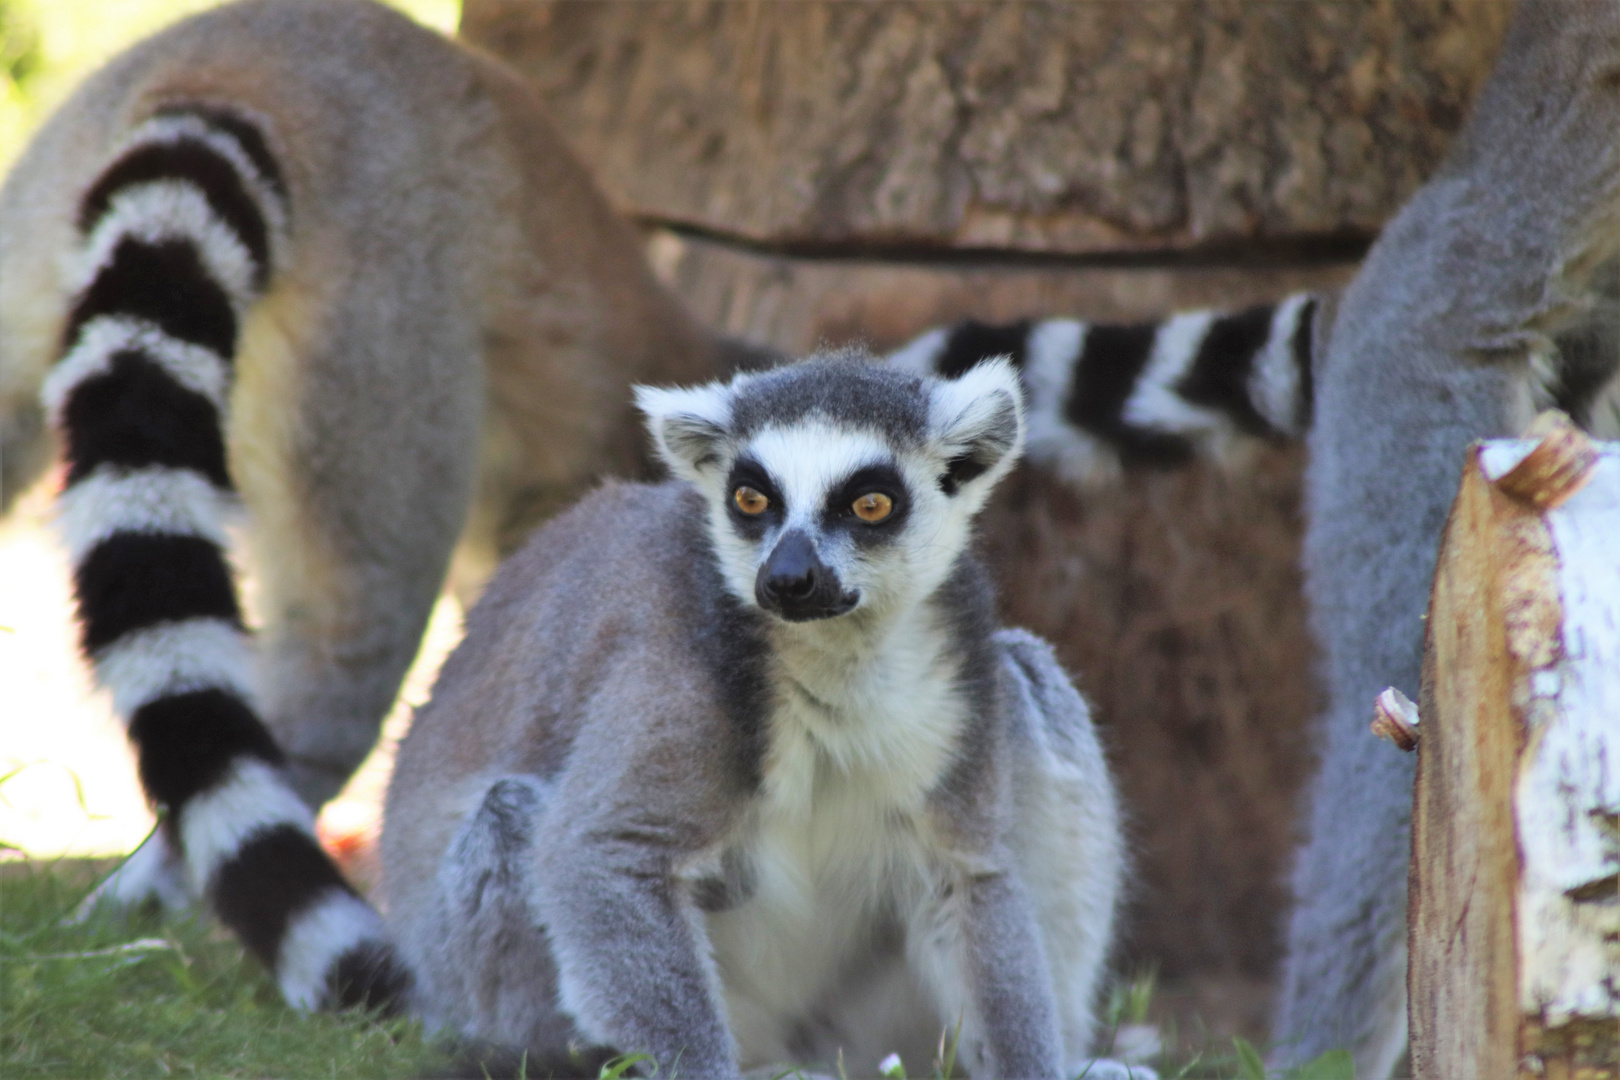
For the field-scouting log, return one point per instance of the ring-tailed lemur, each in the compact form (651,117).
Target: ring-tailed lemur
(311,268)
(1485,296)
(316,255)
(739,768)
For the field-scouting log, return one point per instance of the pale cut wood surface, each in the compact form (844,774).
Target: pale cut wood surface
(1515,909)
(1064,127)
(1567,797)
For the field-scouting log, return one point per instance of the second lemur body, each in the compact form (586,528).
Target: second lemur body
(738,769)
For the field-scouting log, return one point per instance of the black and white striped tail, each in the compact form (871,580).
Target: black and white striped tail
(178,237)
(1158,393)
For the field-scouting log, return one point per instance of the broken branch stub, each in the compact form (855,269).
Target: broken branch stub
(1395,718)
(1556,468)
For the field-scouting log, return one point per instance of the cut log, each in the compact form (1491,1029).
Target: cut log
(1514,930)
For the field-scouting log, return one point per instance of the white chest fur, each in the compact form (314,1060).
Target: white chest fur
(840,835)
(883,714)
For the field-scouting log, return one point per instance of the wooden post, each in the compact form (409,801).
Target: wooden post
(1514,929)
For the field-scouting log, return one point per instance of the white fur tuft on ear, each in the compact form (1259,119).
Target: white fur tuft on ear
(977,421)
(688,425)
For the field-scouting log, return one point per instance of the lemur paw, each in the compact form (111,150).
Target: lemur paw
(153,874)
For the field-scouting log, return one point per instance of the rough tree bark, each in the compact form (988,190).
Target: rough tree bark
(1514,930)
(1037,126)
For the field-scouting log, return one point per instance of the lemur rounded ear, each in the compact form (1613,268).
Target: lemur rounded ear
(977,420)
(688,425)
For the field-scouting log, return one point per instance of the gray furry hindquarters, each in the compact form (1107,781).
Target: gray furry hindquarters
(284,272)
(1471,312)
(738,769)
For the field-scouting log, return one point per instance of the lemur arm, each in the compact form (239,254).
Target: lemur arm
(631,952)
(634,966)
(1009,978)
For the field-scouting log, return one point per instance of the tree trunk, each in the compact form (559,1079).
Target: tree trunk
(1515,915)
(1054,127)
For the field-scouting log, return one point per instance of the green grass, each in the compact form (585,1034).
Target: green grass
(1241,1061)
(147,997)
(1201,1055)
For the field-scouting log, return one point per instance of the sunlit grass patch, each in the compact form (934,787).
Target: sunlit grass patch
(144,996)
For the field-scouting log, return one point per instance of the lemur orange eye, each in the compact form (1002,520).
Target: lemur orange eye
(874,506)
(750,501)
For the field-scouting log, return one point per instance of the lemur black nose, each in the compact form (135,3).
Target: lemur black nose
(794,588)
(792,572)
(797,585)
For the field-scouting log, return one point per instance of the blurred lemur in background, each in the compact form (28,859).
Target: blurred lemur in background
(311,267)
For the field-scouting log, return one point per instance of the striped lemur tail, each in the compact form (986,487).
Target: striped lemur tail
(1156,393)
(178,236)
(1162,394)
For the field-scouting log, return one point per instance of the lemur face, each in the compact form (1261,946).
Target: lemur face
(836,486)
(815,510)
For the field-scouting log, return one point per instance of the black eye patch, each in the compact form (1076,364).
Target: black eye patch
(839,513)
(747,472)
